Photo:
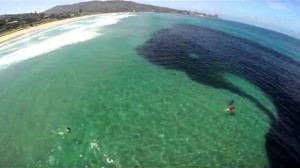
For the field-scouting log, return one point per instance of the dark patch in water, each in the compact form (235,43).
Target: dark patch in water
(205,55)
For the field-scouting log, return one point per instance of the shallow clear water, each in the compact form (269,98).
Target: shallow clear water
(123,110)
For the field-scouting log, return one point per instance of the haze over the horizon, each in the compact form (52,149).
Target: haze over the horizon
(279,15)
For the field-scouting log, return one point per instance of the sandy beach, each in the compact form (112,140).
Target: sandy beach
(14,35)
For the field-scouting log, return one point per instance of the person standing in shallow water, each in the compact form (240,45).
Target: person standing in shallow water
(231,108)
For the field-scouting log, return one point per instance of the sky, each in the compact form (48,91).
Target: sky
(278,15)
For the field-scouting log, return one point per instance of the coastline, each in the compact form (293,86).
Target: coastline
(19,34)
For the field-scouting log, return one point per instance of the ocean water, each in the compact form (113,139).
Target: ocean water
(148,90)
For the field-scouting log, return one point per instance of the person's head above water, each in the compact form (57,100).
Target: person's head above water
(68,129)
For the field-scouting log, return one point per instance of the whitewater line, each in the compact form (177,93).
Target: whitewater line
(73,35)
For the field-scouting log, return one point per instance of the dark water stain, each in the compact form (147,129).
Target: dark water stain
(205,55)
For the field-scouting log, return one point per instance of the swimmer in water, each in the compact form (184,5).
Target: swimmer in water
(65,132)
(231,107)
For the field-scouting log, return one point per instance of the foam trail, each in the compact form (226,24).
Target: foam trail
(75,33)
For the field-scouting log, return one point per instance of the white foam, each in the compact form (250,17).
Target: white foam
(46,46)
(67,27)
(72,35)
(42,37)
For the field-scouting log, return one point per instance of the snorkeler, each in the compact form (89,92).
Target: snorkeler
(66,131)
(231,107)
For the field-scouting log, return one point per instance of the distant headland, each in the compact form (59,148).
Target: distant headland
(11,23)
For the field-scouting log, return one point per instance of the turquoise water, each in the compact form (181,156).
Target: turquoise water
(123,110)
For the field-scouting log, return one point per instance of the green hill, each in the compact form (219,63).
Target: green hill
(115,6)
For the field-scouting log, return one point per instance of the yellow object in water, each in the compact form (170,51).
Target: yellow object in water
(61,133)
(68,130)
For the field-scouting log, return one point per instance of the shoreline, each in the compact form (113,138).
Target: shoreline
(6,39)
